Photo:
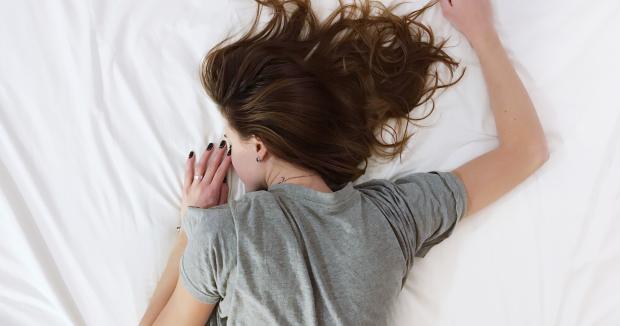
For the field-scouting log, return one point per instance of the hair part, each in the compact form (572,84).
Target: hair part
(316,92)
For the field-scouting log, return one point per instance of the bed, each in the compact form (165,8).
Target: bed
(100,103)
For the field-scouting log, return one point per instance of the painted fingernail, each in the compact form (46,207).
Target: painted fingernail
(229,150)
(191,154)
(210,147)
(224,179)
(222,143)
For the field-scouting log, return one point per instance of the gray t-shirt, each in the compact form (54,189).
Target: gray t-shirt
(291,255)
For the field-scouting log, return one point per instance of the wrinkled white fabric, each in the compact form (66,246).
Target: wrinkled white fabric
(100,103)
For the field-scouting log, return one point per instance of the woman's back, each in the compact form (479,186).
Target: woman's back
(292,255)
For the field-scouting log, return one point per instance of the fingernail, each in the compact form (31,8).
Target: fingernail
(224,179)
(191,154)
(210,146)
(229,150)
(222,143)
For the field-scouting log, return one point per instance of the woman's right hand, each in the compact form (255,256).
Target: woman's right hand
(210,188)
(473,18)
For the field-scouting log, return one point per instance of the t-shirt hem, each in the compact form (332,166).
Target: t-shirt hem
(461,196)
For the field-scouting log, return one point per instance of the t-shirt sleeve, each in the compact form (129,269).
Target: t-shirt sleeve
(422,208)
(209,255)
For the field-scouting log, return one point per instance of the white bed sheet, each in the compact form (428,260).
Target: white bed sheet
(100,104)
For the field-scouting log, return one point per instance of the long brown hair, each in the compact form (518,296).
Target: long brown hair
(316,92)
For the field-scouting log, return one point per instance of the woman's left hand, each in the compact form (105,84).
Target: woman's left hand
(205,184)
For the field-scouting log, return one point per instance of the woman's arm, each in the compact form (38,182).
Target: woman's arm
(167,283)
(515,116)
(522,145)
(171,302)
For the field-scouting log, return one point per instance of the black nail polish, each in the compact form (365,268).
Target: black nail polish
(229,150)
(224,179)
(210,147)
(191,154)
(222,143)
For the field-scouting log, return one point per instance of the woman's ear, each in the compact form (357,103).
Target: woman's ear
(261,150)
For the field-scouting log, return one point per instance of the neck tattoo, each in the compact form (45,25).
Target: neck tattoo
(283,178)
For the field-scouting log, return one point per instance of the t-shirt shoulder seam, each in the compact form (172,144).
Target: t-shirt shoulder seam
(197,220)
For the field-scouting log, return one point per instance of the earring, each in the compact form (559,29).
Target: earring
(257,159)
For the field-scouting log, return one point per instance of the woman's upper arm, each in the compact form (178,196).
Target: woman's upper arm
(495,173)
(184,309)
(204,266)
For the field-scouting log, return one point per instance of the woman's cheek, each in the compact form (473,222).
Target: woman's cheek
(238,165)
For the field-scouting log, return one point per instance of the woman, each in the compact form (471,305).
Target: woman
(302,101)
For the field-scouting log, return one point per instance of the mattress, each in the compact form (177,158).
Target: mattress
(100,103)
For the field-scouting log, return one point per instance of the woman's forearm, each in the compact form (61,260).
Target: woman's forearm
(515,116)
(167,283)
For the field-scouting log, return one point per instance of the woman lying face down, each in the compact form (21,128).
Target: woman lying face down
(305,104)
